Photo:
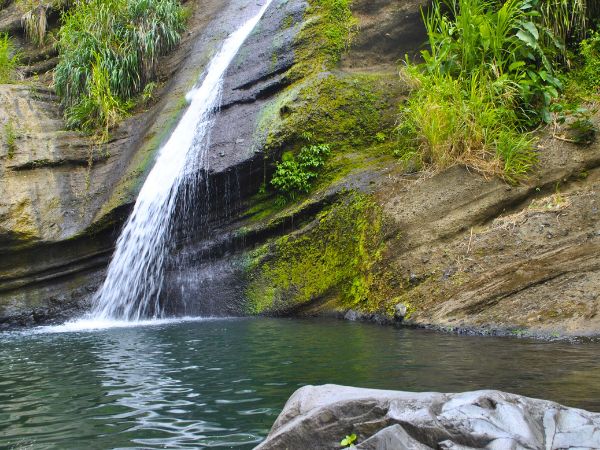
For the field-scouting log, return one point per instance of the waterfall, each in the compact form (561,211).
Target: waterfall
(135,275)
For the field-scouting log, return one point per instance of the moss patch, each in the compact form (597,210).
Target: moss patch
(349,111)
(334,256)
(328,30)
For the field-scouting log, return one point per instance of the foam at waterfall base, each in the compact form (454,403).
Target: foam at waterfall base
(82,325)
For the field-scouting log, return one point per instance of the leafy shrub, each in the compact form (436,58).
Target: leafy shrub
(9,59)
(485,79)
(294,176)
(117,39)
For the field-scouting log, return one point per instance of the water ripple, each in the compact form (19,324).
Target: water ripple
(142,387)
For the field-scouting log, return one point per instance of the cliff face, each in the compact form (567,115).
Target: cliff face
(452,249)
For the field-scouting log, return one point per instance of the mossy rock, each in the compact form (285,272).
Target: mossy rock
(350,111)
(333,255)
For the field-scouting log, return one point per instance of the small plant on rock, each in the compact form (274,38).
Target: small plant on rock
(349,441)
(10,134)
(295,175)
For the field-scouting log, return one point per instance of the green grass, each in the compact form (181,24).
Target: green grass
(9,59)
(109,52)
(99,107)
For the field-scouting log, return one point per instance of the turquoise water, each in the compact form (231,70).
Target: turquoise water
(221,383)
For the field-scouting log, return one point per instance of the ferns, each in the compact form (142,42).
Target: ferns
(112,47)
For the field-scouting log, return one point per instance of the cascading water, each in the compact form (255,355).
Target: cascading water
(135,275)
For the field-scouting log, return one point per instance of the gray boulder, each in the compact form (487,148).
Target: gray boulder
(319,417)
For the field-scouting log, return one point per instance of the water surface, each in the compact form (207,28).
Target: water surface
(221,383)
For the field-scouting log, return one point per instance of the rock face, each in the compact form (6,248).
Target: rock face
(319,417)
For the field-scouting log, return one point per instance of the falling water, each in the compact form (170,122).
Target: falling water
(135,275)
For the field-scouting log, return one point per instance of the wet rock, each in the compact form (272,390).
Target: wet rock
(400,311)
(318,417)
(353,315)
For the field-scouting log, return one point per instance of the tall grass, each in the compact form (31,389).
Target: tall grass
(484,81)
(109,50)
(99,107)
(9,59)
(567,18)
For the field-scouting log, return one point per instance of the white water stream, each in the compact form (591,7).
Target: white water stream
(135,275)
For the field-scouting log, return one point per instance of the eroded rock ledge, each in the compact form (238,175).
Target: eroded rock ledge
(319,417)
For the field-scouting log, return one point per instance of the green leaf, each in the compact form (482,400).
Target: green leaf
(530,26)
(348,440)
(527,38)
(516,65)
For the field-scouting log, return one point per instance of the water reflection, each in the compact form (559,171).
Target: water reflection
(222,383)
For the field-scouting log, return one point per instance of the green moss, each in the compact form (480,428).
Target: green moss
(355,114)
(349,111)
(264,205)
(288,22)
(23,222)
(334,256)
(328,30)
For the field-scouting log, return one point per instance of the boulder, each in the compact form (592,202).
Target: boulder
(319,417)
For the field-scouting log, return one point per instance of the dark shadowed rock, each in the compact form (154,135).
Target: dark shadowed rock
(319,417)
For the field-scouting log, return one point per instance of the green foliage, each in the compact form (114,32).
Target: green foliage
(349,440)
(9,59)
(10,135)
(484,81)
(294,176)
(583,131)
(148,92)
(562,21)
(496,46)
(334,257)
(589,75)
(124,38)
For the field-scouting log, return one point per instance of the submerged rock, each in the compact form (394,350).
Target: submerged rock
(319,417)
